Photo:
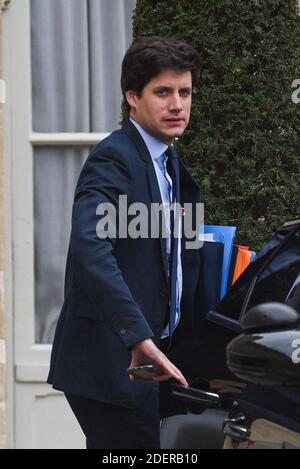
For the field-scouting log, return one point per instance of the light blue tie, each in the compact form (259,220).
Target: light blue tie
(174,171)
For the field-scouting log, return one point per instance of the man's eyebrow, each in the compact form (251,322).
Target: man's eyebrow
(163,87)
(170,88)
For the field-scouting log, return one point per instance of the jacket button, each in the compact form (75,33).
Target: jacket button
(123,332)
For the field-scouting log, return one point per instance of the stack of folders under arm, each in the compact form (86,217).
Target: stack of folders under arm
(222,263)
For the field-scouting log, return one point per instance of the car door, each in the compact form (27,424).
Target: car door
(201,351)
(268,416)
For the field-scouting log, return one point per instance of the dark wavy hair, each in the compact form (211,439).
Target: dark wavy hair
(149,56)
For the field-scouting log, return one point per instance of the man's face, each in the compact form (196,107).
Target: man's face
(164,107)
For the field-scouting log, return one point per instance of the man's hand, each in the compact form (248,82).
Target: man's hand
(146,351)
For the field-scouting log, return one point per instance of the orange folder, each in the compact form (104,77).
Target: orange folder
(242,261)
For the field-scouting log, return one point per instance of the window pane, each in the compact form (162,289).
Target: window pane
(60,66)
(55,175)
(77,50)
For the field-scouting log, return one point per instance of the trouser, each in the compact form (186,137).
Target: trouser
(107,426)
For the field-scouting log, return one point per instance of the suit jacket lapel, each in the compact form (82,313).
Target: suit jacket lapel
(134,135)
(190,190)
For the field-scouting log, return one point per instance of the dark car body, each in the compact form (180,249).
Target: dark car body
(259,393)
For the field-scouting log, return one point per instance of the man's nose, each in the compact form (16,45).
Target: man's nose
(175,102)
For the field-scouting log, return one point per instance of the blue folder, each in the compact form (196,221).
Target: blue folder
(224,235)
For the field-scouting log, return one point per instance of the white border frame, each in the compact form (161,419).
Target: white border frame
(31,360)
(8,268)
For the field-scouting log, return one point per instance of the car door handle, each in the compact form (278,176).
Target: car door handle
(196,396)
(235,429)
(237,420)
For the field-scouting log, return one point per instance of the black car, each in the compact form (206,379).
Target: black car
(245,365)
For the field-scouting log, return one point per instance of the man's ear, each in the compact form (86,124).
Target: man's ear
(131,98)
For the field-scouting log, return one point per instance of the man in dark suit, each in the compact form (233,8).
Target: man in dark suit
(125,294)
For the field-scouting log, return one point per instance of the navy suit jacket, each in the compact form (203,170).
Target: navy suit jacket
(116,290)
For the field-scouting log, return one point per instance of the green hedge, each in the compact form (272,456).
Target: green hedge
(243,142)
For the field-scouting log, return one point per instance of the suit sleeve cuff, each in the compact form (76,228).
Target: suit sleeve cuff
(132,337)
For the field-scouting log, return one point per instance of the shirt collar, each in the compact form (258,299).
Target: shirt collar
(155,147)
